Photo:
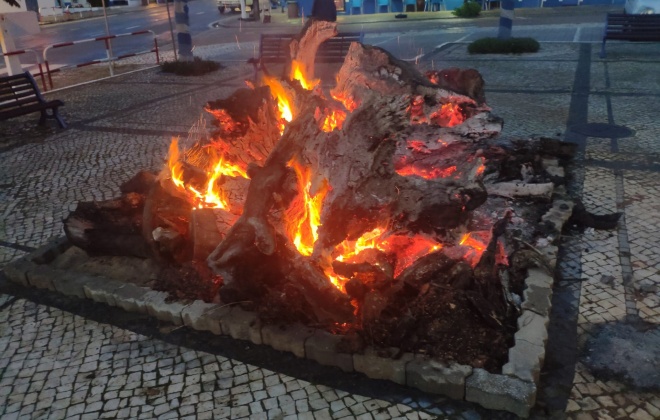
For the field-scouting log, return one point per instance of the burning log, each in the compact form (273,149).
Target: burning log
(303,49)
(248,126)
(254,235)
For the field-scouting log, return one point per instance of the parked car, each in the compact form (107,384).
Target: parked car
(642,7)
(233,6)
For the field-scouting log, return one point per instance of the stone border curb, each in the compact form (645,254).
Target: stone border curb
(514,390)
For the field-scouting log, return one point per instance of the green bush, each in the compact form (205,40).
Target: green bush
(469,9)
(504,46)
(197,67)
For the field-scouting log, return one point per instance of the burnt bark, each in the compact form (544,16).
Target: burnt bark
(111,227)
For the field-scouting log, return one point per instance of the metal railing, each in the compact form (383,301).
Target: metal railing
(109,59)
(39,62)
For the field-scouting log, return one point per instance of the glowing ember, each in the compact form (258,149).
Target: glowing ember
(409,249)
(348,102)
(448,115)
(477,243)
(406,249)
(304,215)
(334,119)
(418,146)
(432,173)
(212,197)
(298,73)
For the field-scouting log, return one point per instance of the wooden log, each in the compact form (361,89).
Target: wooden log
(303,48)
(208,227)
(111,227)
(521,190)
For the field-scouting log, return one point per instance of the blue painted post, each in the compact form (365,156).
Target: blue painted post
(506,19)
(183,30)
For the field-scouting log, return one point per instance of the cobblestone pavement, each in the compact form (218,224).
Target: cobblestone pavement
(57,363)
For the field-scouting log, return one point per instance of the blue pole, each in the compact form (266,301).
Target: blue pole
(506,19)
(183,30)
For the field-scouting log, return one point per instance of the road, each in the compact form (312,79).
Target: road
(406,39)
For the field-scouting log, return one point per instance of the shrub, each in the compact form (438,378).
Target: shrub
(469,9)
(197,67)
(504,46)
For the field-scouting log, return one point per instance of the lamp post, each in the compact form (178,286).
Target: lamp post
(108,42)
(169,19)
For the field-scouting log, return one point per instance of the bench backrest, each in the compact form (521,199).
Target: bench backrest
(18,91)
(274,48)
(632,27)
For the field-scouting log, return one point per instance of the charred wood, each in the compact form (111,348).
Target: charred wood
(112,227)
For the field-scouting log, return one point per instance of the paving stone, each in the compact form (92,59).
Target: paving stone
(438,378)
(532,328)
(242,325)
(539,278)
(525,361)
(158,306)
(101,290)
(537,299)
(322,347)
(131,298)
(41,277)
(17,271)
(500,392)
(72,284)
(194,316)
(289,338)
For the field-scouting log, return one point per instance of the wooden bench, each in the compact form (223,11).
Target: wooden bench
(274,49)
(20,95)
(625,27)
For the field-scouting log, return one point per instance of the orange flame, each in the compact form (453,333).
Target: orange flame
(284,102)
(334,119)
(449,115)
(298,73)
(304,214)
(432,173)
(477,243)
(213,197)
(406,249)
(349,102)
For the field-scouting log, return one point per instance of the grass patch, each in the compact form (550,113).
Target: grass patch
(504,46)
(197,67)
(468,10)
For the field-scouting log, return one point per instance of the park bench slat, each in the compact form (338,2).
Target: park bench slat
(638,28)
(20,95)
(274,49)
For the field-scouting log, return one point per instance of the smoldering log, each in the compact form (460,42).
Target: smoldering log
(111,227)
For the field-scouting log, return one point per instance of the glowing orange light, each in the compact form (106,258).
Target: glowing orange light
(406,249)
(349,102)
(298,73)
(304,214)
(449,115)
(334,119)
(212,197)
(476,242)
(284,103)
(432,173)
